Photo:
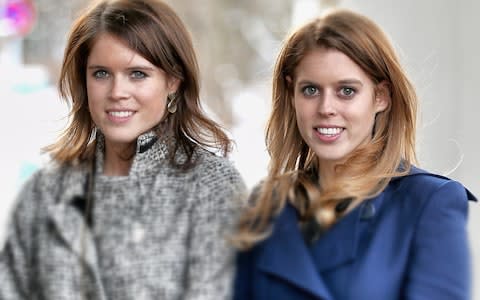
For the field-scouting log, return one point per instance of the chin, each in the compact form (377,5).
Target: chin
(121,139)
(330,155)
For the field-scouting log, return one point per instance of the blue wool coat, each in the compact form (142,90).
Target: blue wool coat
(410,242)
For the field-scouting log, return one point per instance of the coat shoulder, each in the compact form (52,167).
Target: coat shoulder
(217,176)
(421,182)
(212,167)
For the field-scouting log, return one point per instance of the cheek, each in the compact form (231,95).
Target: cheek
(365,122)
(300,111)
(303,124)
(94,92)
(305,115)
(94,110)
(92,100)
(160,109)
(157,103)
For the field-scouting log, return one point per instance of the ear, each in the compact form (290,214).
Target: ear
(382,96)
(173,84)
(288,79)
(289,89)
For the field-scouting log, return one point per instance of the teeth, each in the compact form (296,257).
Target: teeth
(121,114)
(330,130)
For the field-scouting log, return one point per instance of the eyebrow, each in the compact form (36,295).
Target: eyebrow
(133,68)
(351,81)
(343,81)
(306,82)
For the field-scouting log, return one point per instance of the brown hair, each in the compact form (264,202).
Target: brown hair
(366,172)
(153,29)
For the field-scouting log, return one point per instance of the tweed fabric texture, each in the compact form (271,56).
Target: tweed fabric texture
(158,233)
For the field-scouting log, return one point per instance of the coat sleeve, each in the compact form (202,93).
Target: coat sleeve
(15,257)
(440,262)
(221,194)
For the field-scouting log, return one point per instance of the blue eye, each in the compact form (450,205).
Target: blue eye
(100,74)
(347,92)
(138,75)
(310,91)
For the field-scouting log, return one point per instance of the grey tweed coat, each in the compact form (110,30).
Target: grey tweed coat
(158,233)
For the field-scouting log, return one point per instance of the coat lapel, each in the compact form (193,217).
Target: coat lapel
(338,246)
(69,223)
(286,256)
(70,226)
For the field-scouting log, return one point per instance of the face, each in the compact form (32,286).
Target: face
(335,104)
(126,93)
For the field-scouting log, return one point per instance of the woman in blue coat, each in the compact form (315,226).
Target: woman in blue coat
(343,212)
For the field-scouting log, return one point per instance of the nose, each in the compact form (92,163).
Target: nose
(326,104)
(119,89)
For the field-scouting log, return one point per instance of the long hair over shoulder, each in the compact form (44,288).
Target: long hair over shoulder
(152,29)
(292,174)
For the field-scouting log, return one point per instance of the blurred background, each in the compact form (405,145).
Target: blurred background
(237,42)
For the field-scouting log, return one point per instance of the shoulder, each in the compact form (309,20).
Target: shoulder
(215,167)
(42,179)
(44,185)
(29,200)
(429,197)
(217,174)
(426,184)
(433,210)
(217,188)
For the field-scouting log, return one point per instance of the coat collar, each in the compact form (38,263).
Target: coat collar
(285,243)
(65,211)
(151,150)
(304,271)
(288,257)
(67,206)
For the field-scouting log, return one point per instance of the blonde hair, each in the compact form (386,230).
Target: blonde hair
(153,29)
(292,174)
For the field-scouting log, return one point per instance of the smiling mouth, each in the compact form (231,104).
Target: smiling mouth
(120,114)
(330,131)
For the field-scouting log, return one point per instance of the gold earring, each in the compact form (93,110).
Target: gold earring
(172,103)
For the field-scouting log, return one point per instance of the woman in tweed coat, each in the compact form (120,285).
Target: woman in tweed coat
(132,206)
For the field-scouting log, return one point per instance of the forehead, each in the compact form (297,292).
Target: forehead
(105,42)
(327,64)
(108,48)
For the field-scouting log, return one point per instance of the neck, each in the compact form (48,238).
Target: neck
(118,161)
(327,174)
